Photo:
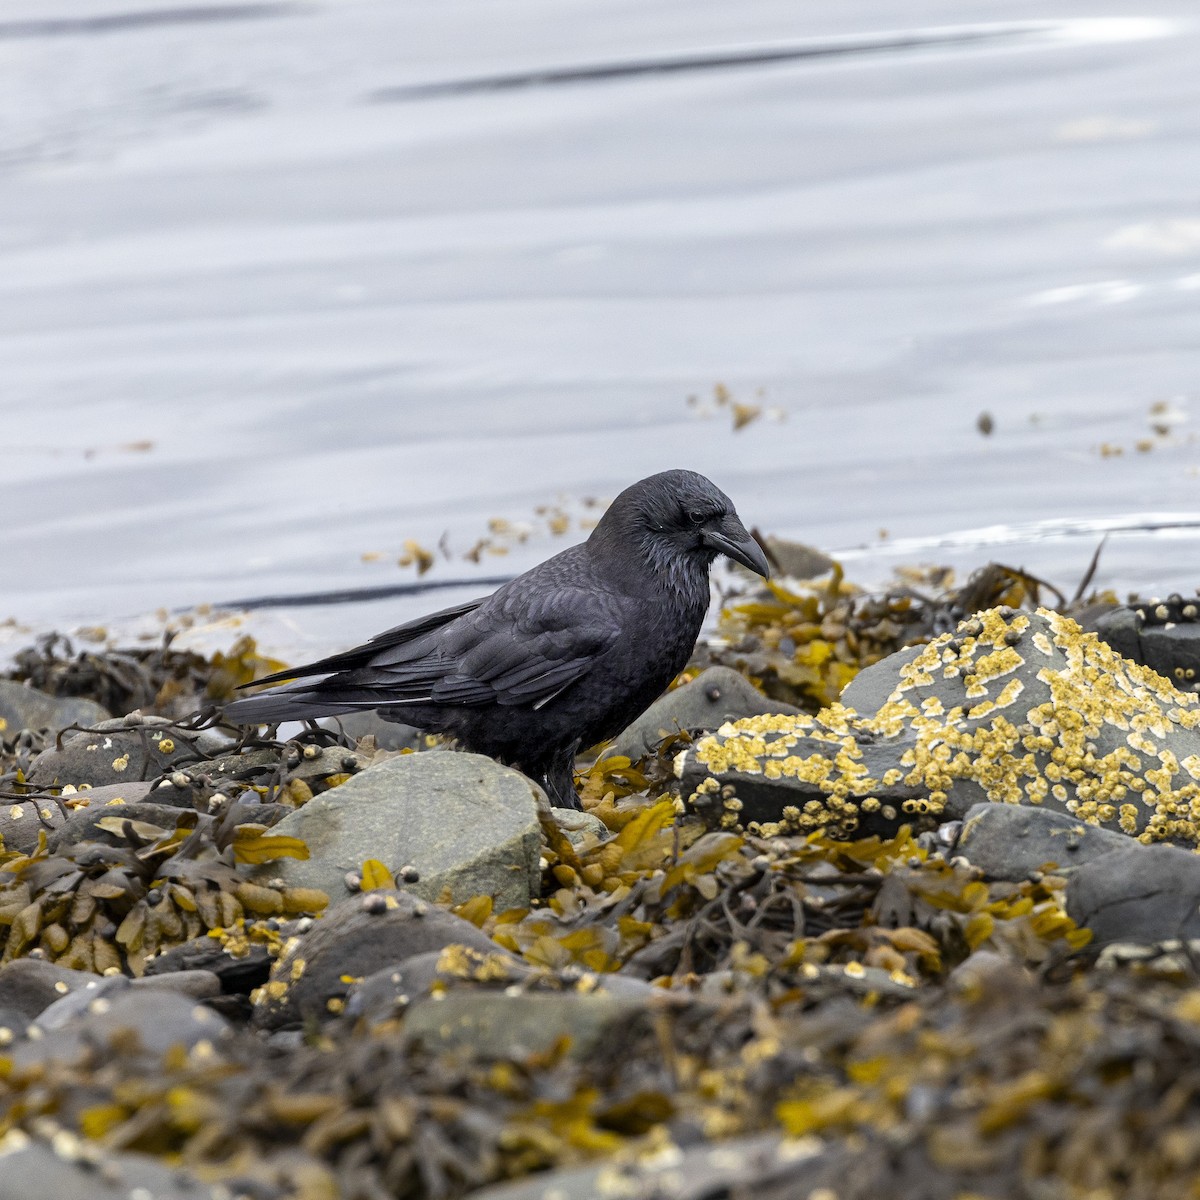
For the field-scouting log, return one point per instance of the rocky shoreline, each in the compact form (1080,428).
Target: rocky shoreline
(913,920)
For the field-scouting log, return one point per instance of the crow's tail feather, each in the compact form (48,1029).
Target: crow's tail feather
(300,704)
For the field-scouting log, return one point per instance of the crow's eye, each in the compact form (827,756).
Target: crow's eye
(697,516)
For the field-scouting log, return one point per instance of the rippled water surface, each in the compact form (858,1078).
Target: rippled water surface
(283,286)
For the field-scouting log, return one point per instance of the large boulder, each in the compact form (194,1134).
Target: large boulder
(467,826)
(1019,708)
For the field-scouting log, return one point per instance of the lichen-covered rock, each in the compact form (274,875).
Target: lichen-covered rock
(362,935)
(23,707)
(1010,841)
(466,824)
(712,698)
(123,751)
(1012,707)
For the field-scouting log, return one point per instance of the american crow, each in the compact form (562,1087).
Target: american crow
(563,656)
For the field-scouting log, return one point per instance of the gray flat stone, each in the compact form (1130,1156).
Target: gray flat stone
(24,707)
(1009,841)
(1141,894)
(468,825)
(21,821)
(84,825)
(712,698)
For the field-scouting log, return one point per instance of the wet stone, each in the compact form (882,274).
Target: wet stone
(357,938)
(1143,894)
(1010,842)
(31,985)
(115,754)
(1016,708)
(24,707)
(135,1021)
(75,1169)
(715,696)
(468,825)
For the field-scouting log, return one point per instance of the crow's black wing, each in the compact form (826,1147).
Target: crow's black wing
(361,655)
(518,648)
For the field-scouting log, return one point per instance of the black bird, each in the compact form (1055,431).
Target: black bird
(564,656)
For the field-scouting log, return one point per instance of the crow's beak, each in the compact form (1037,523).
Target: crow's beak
(731,539)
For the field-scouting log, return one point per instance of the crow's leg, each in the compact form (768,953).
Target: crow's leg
(556,774)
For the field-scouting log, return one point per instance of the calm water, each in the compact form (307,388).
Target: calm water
(287,286)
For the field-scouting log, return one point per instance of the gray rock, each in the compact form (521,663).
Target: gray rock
(712,698)
(388,735)
(385,994)
(199,985)
(1009,841)
(76,1003)
(498,1025)
(23,707)
(21,821)
(209,956)
(76,1169)
(357,938)
(468,825)
(118,753)
(1139,894)
(140,1021)
(83,826)
(31,985)
(1020,708)
(766,1166)
(578,826)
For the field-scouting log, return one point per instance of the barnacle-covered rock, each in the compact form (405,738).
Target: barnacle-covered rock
(1162,634)
(1013,707)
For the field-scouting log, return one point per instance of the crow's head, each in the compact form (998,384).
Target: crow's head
(681,521)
